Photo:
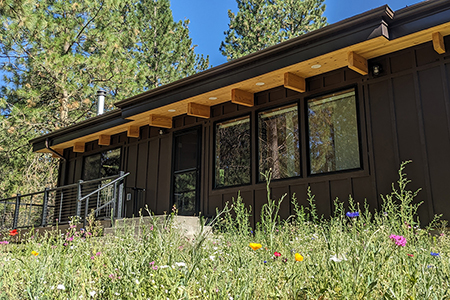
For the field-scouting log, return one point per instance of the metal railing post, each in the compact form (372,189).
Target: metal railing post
(120,198)
(78,198)
(16,212)
(86,212)
(44,208)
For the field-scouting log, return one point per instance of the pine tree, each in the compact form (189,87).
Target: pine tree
(55,55)
(262,23)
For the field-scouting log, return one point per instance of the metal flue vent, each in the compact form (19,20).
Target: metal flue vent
(101,102)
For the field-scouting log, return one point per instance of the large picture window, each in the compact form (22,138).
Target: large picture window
(232,152)
(103,164)
(279,142)
(333,133)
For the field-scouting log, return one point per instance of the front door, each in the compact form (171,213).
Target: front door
(186,172)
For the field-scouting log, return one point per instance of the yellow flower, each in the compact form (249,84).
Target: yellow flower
(255,246)
(34,253)
(298,257)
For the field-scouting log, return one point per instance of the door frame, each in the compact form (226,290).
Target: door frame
(199,130)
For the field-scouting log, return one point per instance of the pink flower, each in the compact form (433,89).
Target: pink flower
(277,254)
(410,255)
(399,240)
(92,257)
(98,253)
(4,242)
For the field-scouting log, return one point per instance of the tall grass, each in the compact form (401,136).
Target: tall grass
(345,257)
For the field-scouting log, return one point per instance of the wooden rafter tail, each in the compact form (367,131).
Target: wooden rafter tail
(438,42)
(358,63)
(198,110)
(294,82)
(78,147)
(133,131)
(104,140)
(242,97)
(160,121)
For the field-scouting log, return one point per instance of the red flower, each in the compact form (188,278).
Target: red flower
(13,232)
(277,254)
(410,255)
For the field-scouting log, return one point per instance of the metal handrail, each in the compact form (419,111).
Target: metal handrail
(102,187)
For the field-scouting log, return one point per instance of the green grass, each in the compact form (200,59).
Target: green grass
(344,258)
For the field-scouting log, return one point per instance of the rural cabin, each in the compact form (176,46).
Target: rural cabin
(337,109)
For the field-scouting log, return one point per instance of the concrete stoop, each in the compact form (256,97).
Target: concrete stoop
(189,226)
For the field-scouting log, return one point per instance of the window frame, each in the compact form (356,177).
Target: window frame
(251,129)
(358,127)
(257,142)
(99,152)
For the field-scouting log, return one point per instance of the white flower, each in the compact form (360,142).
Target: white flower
(92,293)
(180,264)
(61,287)
(338,258)
(163,267)
(211,257)
(117,294)
(137,281)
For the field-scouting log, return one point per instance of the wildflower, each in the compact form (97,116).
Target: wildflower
(155,267)
(265,261)
(255,246)
(180,264)
(163,267)
(13,232)
(151,227)
(92,293)
(277,254)
(338,258)
(61,287)
(352,214)
(434,254)
(399,240)
(298,257)
(212,257)
(98,253)
(92,257)
(410,255)
(4,242)
(152,263)
(34,253)
(284,260)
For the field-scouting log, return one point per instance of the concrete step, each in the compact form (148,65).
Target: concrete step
(189,226)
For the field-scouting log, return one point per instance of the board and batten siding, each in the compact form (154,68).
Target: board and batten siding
(404,114)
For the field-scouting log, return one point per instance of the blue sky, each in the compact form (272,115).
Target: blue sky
(209,19)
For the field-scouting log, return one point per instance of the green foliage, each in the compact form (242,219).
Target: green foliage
(262,23)
(344,258)
(55,55)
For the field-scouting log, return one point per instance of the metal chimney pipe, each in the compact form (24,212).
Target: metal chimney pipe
(101,101)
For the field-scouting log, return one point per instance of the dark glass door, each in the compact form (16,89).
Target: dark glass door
(186,172)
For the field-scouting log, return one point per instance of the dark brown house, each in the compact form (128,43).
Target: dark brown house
(337,109)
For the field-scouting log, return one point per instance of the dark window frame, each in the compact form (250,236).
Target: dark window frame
(99,152)
(358,123)
(257,143)
(251,130)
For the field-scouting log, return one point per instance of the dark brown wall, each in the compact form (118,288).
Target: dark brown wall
(404,114)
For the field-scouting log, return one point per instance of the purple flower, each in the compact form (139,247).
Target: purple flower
(434,254)
(352,214)
(399,240)
(4,242)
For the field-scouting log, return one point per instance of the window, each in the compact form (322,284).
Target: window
(279,142)
(333,133)
(232,155)
(103,164)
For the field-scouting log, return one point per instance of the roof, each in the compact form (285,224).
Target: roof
(371,34)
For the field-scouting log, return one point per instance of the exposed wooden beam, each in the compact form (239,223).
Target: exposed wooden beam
(60,151)
(160,121)
(78,147)
(438,42)
(133,131)
(242,97)
(294,82)
(104,140)
(198,110)
(357,63)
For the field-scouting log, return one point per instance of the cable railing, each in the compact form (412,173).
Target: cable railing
(102,196)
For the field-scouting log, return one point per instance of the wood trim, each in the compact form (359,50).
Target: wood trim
(357,63)
(160,121)
(242,97)
(60,151)
(198,110)
(294,82)
(78,147)
(104,140)
(133,131)
(438,42)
